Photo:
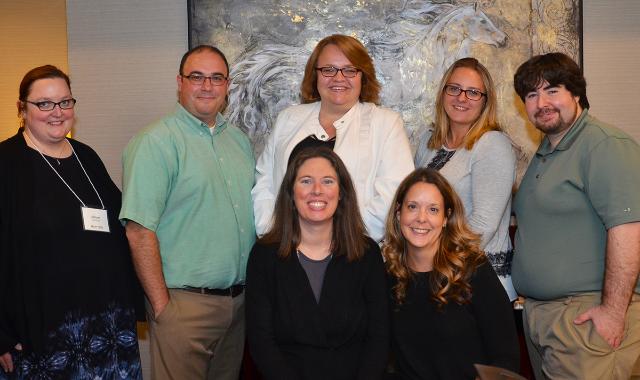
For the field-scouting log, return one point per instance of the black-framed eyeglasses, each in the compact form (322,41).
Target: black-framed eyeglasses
(48,105)
(471,94)
(199,79)
(330,71)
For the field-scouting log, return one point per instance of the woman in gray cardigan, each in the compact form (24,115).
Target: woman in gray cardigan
(468,147)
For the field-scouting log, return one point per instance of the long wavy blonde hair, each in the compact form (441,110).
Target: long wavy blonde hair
(458,254)
(487,121)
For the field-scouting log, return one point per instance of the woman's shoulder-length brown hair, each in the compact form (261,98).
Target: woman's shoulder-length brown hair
(355,52)
(349,233)
(457,256)
(487,121)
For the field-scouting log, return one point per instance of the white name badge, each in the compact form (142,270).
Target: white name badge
(95,219)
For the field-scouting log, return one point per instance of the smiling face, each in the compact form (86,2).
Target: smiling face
(421,217)
(316,192)
(552,109)
(47,127)
(461,111)
(205,100)
(337,93)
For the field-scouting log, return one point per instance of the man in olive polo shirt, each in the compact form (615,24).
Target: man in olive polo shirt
(577,245)
(189,220)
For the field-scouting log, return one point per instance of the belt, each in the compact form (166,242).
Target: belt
(233,291)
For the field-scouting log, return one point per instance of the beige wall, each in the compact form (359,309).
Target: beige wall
(32,33)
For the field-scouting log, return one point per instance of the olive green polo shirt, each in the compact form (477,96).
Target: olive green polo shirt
(568,199)
(192,186)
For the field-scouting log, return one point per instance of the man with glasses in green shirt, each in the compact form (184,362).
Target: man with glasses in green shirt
(577,248)
(187,206)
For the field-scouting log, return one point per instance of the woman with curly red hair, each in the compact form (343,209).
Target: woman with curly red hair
(448,308)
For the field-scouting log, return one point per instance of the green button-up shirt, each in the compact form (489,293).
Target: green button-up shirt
(192,186)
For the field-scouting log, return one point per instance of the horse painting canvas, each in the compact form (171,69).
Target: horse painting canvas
(412,43)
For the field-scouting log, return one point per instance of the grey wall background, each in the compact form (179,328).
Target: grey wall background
(123,61)
(611,56)
(124,55)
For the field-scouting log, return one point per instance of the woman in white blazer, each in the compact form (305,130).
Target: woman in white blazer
(340,94)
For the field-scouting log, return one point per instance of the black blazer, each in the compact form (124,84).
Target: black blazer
(344,336)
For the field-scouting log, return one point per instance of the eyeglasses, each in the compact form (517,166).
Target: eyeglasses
(471,93)
(330,71)
(48,105)
(199,79)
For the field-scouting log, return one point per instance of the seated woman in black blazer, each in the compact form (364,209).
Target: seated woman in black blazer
(448,308)
(316,288)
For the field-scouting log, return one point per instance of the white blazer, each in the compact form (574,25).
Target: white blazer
(370,140)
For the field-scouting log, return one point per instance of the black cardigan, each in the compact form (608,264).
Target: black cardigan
(34,295)
(344,336)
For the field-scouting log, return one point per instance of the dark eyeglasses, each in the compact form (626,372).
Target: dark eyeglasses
(48,105)
(330,71)
(471,93)
(199,79)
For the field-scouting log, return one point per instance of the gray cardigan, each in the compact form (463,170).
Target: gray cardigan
(483,177)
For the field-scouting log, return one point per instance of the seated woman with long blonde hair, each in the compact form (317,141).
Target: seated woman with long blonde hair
(448,308)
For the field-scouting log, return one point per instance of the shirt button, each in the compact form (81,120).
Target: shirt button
(221,159)
(236,206)
(322,136)
(537,175)
(544,160)
(242,230)
(229,182)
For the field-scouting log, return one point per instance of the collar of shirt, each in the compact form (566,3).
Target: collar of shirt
(568,139)
(339,124)
(199,125)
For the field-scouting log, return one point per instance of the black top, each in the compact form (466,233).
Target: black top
(432,344)
(58,281)
(311,141)
(441,158)
(291,336)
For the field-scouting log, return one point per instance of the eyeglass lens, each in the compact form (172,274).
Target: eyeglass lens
(471,94)
(48,105)
(198,79)
(330,71)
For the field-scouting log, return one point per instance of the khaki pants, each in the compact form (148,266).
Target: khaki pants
(197,336)
(560,349)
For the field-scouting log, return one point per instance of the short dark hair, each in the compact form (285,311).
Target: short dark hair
(556,69)
(40,72)
(349,233)
(201,48)
(355,52)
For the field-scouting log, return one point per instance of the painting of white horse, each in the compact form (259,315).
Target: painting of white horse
(412,43)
